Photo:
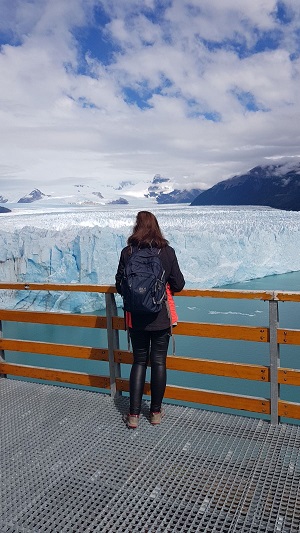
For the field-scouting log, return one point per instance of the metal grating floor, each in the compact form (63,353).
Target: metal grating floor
(69,464)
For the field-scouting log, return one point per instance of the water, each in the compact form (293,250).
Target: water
(222,311)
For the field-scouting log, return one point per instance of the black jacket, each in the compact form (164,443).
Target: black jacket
(160,320)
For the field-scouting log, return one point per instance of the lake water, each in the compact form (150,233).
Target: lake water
(222,311)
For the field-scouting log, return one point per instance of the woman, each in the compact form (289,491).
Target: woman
(149,332)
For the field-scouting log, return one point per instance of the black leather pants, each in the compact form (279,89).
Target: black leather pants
(147,345)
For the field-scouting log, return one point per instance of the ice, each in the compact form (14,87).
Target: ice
(214,246)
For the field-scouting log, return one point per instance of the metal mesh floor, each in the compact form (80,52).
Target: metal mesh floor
(69,464)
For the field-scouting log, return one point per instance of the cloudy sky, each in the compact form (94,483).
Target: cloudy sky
(110,90)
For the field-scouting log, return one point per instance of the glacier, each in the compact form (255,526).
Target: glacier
(214,245)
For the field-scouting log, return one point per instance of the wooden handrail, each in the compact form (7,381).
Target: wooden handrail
(206,366)
(284,296)
(289,409)
(63,350)
(288,336)
(289,376)
(65,287)
(220,399)
(50,374)
(227,294)
(262,334)
(56,319)
(215,331)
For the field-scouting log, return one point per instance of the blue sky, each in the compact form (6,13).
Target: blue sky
(112,90)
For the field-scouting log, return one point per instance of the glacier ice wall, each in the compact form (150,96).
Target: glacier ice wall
(214,246)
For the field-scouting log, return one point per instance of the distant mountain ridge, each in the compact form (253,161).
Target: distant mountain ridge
(276,186)
(160,190)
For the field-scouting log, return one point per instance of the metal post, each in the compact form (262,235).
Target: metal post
(2,353)
(274,360)
(112,344)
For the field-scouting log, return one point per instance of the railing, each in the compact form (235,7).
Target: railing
(271,334)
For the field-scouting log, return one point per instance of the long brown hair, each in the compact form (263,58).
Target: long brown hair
(146,232)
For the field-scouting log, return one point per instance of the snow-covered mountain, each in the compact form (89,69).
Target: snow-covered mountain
(33,196)
(276,186)
(78,194)
(162,189)
(159,186)
(158,190)
(178,197)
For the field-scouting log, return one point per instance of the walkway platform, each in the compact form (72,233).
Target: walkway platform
(69,464)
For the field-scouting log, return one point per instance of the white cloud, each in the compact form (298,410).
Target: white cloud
(195,67)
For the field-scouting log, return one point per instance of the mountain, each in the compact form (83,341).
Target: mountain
(162,189)
(177,196)
(276,186)
(119,201)
(159,190)
(4,210)
(158,186)
(36,194)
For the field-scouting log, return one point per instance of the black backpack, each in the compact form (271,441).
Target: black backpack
(143,285)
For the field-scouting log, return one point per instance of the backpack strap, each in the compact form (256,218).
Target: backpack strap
(171,326)
(127,329)
(173,340)
(128,340)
